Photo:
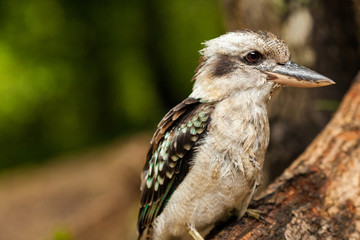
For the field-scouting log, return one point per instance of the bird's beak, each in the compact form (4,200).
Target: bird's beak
(295,75)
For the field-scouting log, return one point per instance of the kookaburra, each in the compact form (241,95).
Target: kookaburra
(207,153)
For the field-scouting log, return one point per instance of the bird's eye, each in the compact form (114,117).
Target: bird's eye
(253,57)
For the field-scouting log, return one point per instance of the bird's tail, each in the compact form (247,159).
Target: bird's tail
(149,234)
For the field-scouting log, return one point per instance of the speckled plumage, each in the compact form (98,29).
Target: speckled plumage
(206,156)
(169,156)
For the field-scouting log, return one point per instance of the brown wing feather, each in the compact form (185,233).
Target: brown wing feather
(169,119)
(168,158)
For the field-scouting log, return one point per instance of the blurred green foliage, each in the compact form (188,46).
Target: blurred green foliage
(62,234)
(74,74)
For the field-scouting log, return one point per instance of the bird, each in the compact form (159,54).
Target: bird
(206,156)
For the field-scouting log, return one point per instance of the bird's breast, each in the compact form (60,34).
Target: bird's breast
(238,136)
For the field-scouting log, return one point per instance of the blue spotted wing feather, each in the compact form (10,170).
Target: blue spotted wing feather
(169,156)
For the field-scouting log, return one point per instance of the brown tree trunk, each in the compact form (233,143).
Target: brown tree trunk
(318,196)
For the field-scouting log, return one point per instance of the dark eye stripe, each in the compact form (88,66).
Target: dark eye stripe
(224,65)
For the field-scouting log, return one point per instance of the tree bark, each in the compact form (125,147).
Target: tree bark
(318,196)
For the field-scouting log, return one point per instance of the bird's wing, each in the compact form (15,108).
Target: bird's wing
(170,153)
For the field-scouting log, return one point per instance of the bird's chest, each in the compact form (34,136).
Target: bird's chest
(237,138)
(231,156)
(228,162)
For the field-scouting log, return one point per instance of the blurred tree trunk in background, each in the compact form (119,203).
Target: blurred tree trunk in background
(318,196)
(323,35)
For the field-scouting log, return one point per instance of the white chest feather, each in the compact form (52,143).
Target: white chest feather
(225,169)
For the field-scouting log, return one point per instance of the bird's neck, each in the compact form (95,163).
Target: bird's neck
(211,89)
(247,106)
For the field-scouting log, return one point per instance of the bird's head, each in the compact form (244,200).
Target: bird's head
(251,62)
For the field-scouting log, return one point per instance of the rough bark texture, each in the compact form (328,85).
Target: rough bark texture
(318,196)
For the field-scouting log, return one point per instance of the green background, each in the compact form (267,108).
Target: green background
(75,74)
